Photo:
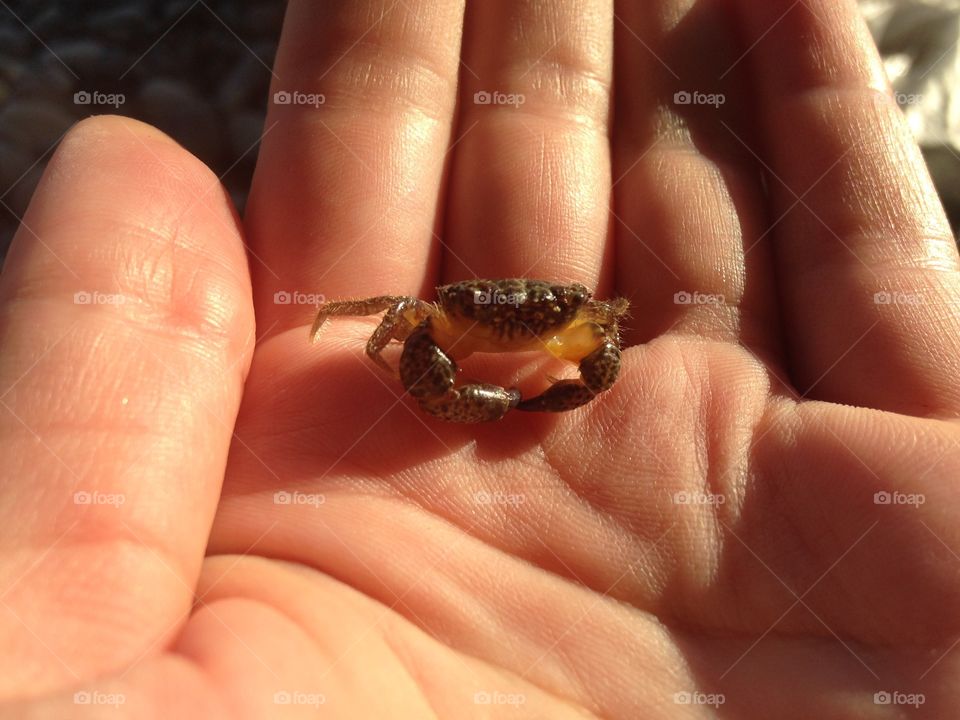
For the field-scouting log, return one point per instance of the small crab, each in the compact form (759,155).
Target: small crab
(511,315)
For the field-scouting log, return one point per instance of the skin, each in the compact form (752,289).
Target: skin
(545,558)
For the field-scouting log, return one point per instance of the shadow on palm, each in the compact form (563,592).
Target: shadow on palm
(796,566)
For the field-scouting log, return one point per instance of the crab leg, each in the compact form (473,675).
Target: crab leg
(403,314)
(368,306)
(429,374)
(598,372)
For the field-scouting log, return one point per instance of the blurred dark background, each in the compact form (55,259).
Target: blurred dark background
(199,70)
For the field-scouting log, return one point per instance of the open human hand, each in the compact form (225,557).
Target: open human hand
(204,519)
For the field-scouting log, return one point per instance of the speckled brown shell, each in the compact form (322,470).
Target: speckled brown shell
(424,368)
(515,307)
(600,368)
(480,402)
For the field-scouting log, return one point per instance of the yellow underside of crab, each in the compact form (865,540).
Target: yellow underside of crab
(460,337)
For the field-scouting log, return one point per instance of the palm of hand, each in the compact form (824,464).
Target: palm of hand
(700,528)
(715,511)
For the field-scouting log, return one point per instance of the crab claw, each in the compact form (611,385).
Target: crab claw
(598,372)
(472,403)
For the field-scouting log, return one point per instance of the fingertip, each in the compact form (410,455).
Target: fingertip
(142,156)
(124,209)
(99,128)
(818,44)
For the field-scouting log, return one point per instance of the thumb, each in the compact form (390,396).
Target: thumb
(127,328)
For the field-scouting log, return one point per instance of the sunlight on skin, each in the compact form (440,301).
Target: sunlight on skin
(758,520)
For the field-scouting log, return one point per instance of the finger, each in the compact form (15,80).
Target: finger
(529,187)
(344,201)
(688,209)
(126,323)
(860,216)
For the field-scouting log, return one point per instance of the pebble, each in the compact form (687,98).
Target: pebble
(245,86)
(49,23)
(89,60)
(19,197)
(49,81)
(34,125)
(177,109)
(8,226)
(266,50)
(128,25)
(16,42)
(244,129)
(173,9)
(11,69)
(258,16)
(239,198)
(158,64)
(228,13)
(16,162)
(220,50)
